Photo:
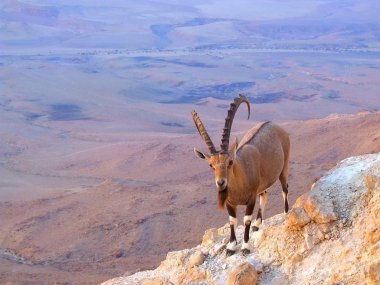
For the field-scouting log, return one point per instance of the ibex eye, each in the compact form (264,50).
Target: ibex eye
(230,163)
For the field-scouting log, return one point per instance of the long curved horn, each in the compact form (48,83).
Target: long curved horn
(202,131)
(229,119)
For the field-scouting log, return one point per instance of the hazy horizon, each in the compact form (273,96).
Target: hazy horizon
(147,25)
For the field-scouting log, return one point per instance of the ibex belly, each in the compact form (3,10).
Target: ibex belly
(268,156)
(272,164)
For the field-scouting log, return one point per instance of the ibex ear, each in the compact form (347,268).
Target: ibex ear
(201,154)
(233,147)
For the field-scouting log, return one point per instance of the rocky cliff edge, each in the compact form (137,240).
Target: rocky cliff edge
(330,236)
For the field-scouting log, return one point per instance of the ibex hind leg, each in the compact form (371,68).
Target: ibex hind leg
(260,213)
(284,184)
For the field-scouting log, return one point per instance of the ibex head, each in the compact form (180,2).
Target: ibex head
(220,161)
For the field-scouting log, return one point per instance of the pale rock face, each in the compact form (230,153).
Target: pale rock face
(330,236)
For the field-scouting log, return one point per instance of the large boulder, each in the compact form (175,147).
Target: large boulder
(330,236)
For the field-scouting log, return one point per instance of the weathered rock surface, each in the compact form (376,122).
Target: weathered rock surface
(330,236)
(243,274)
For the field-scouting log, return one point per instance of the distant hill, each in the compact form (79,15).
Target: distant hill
(166,24)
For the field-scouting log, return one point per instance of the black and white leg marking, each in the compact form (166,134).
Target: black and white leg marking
(260,213)
(231,246)
(247,224)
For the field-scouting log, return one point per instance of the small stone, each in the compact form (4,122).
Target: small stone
(243,274)
(327,236)
(341,225)
(196,259)
(295,258)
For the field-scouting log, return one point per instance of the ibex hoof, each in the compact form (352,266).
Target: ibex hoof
(230,252)
(255,229)
(245,251)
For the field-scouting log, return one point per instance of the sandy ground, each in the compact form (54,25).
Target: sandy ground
(137,199)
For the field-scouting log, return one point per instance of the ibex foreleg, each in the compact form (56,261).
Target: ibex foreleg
(247,224)
(231,246)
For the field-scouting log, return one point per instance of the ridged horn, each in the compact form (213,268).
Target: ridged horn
(202,131)
(229,119)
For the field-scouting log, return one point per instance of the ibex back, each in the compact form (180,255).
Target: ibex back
(243,171)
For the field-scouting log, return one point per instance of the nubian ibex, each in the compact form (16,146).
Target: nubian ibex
(245,170)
